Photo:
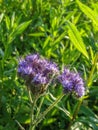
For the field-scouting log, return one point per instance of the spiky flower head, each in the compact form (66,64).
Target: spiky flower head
(36,71)
(72,82)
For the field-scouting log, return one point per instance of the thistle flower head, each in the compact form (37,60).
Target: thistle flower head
(72,82)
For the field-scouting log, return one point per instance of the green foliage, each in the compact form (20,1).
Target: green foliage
(65,31)
(76,39)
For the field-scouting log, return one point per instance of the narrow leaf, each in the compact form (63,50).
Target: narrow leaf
(7,21)
(1,52)
(1,17)
(60,37)
(13,19)
(18,31)
(76,39)
(46,42)
(89,12)
(39,34)
(22,27)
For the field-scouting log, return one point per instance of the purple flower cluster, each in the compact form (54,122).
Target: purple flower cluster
(72,82)
(36,71)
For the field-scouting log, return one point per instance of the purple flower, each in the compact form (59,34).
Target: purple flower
(52,67)
(32,58)
(72,82)
(39,79)
(24,69)
(78,85)
(66,79)
(36,71)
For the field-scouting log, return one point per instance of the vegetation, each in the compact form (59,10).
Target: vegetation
(62,31)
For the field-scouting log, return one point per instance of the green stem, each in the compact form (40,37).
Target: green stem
(2,72)
(21,127)
(32,116)
(2,63)
(33,106)
(92,70)
(75,113)
(42,115)
(77,109)
(39,108)
(30,96)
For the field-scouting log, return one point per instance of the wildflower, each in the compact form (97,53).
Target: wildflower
(31,58)
(40,79)
(78,85)
(24,69)
(72,82)
(36,71)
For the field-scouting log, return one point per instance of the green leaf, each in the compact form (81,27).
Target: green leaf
(18,30)
(76,39)
(13,19)
(90,78)
(89,12)
(1,17)
(46,42)
(1,53)
(60,37)
(88,122)
(39,34)
(88,112)
(7,21)
(22,27)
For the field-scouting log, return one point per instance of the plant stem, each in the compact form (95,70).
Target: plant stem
(42,115)
(21,127)
(30,96)
(32,117)
(33,106)
(39,108)
(92,70)
(75,113)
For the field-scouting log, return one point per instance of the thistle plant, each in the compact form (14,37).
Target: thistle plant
(38,73)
